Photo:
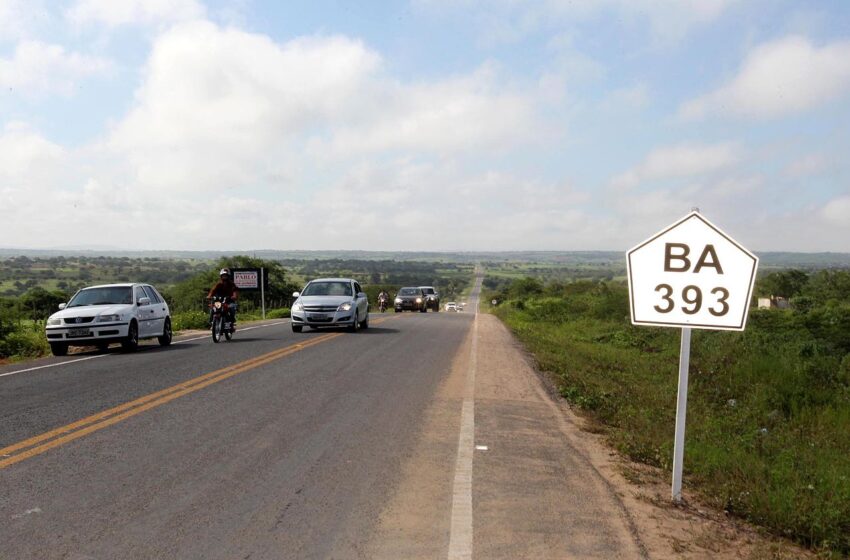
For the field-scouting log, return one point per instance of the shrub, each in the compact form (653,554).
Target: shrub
(281,313)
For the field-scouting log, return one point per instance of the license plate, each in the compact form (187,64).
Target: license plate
(318,316)
(78,333)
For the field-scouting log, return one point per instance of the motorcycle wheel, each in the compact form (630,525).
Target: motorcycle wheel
(218,324)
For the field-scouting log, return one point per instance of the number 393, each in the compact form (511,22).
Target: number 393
(693,300)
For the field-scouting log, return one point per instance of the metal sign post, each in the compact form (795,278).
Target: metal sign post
(690,275)
(681,414)
(263,291)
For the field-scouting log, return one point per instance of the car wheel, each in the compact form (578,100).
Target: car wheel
(297,328)
(167,335)
(365,323)
(130,343)
(354,324)
(58,349)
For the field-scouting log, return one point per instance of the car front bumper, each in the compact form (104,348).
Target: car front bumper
(87,335)
(323,319)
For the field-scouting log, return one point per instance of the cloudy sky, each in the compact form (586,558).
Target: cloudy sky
(422,125)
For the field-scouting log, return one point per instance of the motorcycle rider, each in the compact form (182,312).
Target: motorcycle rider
(384,298)
(225,287)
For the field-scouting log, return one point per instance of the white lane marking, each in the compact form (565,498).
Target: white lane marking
(27,512)
(481,447)
(54,365)
(461,537)
(106,355)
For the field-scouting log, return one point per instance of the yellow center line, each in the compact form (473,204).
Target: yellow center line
(55,438)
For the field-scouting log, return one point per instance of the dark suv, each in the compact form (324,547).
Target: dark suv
(432,298)
(410,299)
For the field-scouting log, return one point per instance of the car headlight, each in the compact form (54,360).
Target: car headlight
(419,300)
(398,300)
(108,318)
(53,322)
(345,306)
(298,306)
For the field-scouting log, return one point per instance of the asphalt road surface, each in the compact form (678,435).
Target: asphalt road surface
(282,445)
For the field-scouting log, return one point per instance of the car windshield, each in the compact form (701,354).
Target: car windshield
(102,296)
(428,291)
(409,292)
(327,289)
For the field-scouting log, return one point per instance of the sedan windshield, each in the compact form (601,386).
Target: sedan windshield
(428,291)
(409,292)
(327,289)
(102,296)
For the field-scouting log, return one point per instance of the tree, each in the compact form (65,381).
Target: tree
(785,283)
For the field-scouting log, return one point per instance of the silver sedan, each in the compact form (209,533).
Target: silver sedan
(330,302)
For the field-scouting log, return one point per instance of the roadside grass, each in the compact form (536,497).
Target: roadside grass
(768,427)
(200,320)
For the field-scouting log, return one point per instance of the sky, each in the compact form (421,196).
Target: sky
(427,125)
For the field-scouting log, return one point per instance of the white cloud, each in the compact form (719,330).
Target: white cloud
(783,77)
(508,21)
(837,212)
(808,165)
(113,13)
(19,18)
(220,108)
(36,69)
(684,160)
(28,161)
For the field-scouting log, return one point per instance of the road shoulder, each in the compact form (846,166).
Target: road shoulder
(691,531)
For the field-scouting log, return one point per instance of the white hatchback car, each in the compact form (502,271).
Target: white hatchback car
(100,315)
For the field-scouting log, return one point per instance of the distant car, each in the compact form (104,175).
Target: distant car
(100,315)
(410,299)
(451,306)
(330,302)
(460,306)
(432,297)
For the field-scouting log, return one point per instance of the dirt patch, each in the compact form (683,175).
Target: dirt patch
(689,531)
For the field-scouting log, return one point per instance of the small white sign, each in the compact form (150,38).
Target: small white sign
(246,279)
(693,275)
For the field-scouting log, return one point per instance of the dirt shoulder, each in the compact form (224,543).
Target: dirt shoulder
(662,530)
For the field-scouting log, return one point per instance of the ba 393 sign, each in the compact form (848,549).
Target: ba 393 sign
(691,275)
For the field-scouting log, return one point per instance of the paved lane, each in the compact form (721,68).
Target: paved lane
(292,458)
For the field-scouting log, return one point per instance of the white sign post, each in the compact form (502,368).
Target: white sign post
(690,275)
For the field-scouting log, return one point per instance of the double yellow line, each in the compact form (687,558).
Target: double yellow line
(39,444)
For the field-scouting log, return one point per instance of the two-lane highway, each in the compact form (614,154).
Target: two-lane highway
(274,445)
(424,436)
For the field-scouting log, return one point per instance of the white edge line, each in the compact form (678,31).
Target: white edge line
(105,355)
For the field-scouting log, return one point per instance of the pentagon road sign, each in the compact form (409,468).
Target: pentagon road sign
(692,275)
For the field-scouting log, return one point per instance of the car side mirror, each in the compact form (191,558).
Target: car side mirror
(144,301)
(62,306)
(362,294)
(296,294)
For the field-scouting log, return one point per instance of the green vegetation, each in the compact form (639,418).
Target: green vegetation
(768,432)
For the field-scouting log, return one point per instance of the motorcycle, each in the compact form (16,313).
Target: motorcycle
(220,319)
(382,304)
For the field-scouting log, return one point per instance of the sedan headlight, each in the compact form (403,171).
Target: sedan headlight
(53,322)
(398,300)
(345,306)
(419,300)
(108,318)
(298,306)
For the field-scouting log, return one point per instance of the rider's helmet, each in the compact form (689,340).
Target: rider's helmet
(224,272)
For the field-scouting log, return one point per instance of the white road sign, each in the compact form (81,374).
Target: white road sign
(692,275)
